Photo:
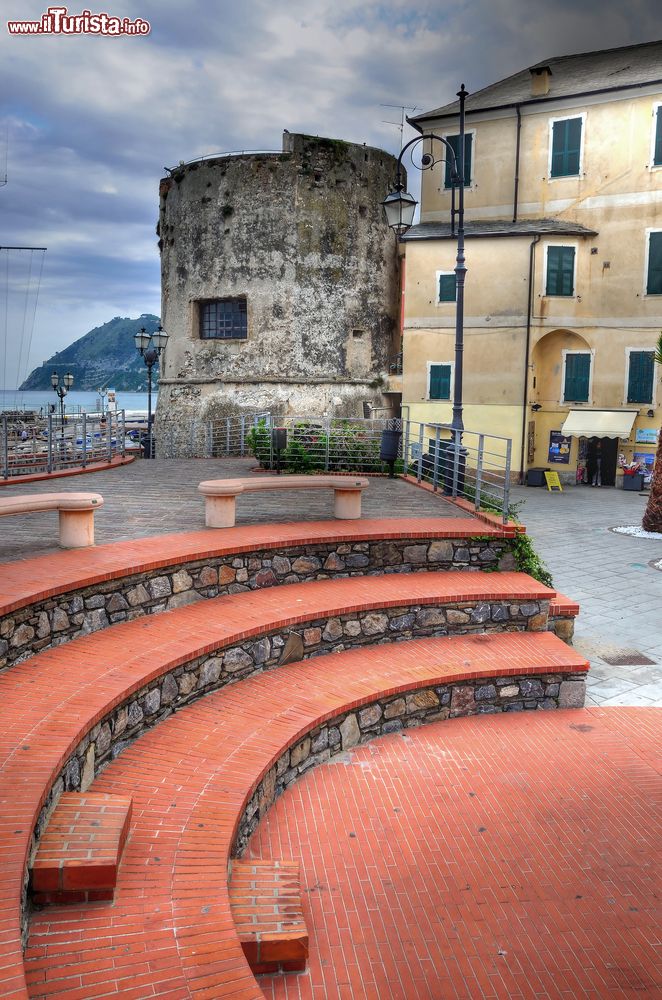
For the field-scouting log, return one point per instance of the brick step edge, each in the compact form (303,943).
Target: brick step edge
(80,850)
(265,901)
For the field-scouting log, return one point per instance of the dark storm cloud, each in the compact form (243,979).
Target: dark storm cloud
(93,121)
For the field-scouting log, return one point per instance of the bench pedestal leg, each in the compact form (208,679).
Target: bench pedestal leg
(220,512)
(347,504)
(76,528)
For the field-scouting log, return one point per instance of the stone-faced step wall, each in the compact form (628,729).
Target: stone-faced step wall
(62,618)
(406,710)
(240,660)
(387,714)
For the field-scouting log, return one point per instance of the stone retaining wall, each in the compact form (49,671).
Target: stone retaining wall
(177,688)
(237,661)
(406,710)
(67,616)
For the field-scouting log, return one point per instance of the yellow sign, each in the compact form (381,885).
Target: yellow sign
(553,482)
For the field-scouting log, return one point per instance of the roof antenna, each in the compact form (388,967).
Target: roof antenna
(401,124)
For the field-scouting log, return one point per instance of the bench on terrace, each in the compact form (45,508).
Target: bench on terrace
(221,494)
(76,513)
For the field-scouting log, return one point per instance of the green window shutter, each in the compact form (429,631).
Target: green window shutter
(640,377)
(440,381)
(654,283)
(560,271)
(447,287)
(454,140)
(566,147)
(577,373)
(657,153)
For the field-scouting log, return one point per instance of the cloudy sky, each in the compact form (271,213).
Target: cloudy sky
(89,122)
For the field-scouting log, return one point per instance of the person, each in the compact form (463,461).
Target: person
(597,468)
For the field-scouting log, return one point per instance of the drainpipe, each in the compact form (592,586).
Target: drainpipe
(517,148)
(527,354)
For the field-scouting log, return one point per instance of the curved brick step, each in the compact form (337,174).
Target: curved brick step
(201,780)
(62,595)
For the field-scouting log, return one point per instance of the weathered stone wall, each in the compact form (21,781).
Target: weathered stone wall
(301,235)
(89,609)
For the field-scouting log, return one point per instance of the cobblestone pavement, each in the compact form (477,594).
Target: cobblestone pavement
(612,577)
(153,497)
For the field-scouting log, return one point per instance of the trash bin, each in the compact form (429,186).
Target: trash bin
(634,482)
(536,477)
(389,448)
(390,445)
(279,438)
(148,445)
(446,468)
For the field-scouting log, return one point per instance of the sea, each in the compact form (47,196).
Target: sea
(75,402)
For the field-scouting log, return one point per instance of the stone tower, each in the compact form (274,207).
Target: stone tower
(279,283)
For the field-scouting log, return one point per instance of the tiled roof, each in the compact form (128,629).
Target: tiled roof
(527,227)
(584,72)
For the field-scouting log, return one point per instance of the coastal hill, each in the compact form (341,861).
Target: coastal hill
(106,356)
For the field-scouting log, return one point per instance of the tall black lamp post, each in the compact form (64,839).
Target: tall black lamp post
(150,347)
(399,208)
(62,389)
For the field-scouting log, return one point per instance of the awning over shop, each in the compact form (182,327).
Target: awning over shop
(600,423)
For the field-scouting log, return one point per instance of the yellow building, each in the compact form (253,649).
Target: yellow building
(563,295)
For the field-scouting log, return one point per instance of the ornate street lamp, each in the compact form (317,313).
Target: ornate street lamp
(150,347)
(399,207)
(62,390)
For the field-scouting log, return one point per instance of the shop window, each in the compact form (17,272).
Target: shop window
(439,381)
(224,319)
(654,277)
(454,141)
(446,286)
(640,377)
(565,157)
(577,377)
(560,274)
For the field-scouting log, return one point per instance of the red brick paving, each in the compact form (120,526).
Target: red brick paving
(515,857)
(169,932)
(32,580)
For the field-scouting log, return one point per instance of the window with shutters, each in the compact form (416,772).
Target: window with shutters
(454,140)
(576,376)
(439,380)
(641,368)
(446,286)
(224,319)
(654,263)
(657,135)
(560,270)
(565,157)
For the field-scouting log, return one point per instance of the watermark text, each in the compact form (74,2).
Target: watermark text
(58,21)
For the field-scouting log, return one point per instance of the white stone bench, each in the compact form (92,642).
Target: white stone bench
(221,494)
(76,511)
